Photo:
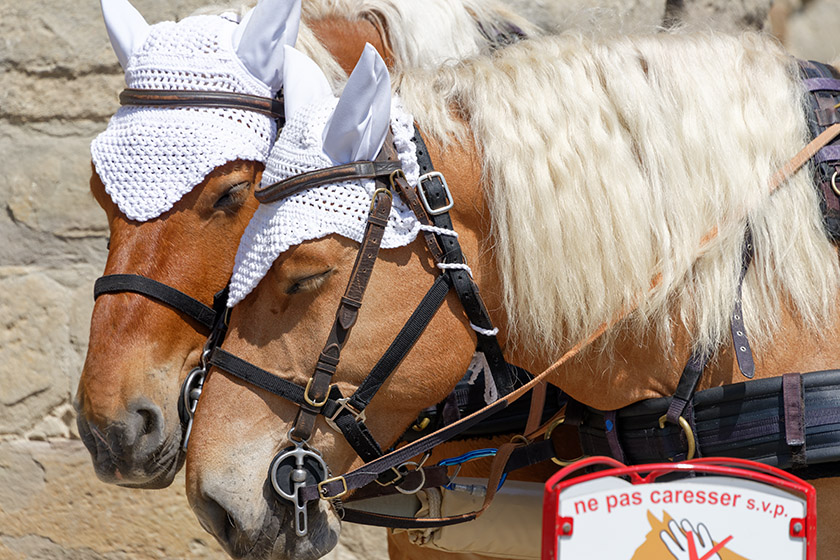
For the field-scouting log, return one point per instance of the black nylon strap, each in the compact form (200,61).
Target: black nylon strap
(466,289)
(402,344)
(687,384)
(116,283)
(256,376)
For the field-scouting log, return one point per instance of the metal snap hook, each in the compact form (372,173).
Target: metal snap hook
(689,434)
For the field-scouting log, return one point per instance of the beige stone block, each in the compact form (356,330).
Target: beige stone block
(26,97)
(40,363)
(52,506)
(46,180)
(68,37)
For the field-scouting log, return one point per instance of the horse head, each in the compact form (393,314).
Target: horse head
(293,265)
(176,184)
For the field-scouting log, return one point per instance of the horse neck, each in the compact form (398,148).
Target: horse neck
(641,367)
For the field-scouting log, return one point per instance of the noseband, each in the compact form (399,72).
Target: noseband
(209,319)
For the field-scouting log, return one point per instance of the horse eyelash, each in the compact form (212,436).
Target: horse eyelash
(231,193)
(298,285)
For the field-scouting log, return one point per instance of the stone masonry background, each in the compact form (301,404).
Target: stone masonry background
(59,81)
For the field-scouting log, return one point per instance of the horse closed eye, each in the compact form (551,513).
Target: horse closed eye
(308,283)
(234,195)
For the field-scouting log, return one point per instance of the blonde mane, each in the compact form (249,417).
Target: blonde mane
(606,163)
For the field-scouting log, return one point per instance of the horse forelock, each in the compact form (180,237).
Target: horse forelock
(607,162)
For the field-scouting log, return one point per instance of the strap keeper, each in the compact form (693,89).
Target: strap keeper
(794,407)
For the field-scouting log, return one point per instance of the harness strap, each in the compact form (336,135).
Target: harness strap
(367,473)
(189,306)
(214,99)
(743,352)
(402,344)
(345,318)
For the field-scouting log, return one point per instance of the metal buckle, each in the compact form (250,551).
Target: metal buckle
(689,435)
(322,491)
(310,401)
(399,478)
(343,404)
(421,190)
(376,193)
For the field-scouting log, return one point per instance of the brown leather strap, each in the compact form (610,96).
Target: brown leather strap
(537,406)
(190,98)
(319,385)
(347,172)
(803,156)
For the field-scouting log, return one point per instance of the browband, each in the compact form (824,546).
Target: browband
(191,98)
(347,172)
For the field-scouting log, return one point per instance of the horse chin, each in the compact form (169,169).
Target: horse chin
(277,540)
(118,466)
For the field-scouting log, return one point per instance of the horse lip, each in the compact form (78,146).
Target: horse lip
(168,460)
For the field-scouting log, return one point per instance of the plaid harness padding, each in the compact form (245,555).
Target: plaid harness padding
(822,83)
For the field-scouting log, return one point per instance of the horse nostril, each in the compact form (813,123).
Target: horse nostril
(144,424)
(216,520)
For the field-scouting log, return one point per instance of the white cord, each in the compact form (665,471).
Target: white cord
(439,230)
(485,332)
(455,266)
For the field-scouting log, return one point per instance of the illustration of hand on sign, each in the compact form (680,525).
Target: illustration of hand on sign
(689,544)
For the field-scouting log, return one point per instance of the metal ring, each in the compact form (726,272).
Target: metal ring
(689,435)
(834,186)
(547,436)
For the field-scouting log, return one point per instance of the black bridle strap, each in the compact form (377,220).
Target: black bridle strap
(467,290)
(117,283)
(212,99)
(403,342)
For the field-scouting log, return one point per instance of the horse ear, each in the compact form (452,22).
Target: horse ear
(127,29)
(304,81)
(261,36)
(357,127)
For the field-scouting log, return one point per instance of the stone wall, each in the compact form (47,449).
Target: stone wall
(58,85)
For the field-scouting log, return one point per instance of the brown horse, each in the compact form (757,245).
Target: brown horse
(599,169)
(140,350)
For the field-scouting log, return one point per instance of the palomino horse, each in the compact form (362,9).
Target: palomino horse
(140,350)
(588,177)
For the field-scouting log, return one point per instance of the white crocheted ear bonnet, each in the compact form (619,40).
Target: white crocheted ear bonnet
(150,157)
(340,208)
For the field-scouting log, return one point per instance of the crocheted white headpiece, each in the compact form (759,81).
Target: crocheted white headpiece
(149,157)
(321,134)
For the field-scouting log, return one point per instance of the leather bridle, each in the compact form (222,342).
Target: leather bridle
(209,319)
(299,470)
